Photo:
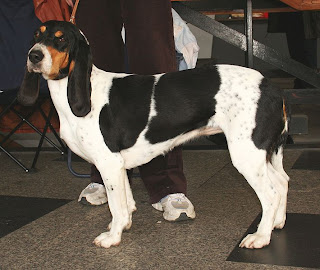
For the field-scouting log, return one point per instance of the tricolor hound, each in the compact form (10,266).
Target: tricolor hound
(120,121)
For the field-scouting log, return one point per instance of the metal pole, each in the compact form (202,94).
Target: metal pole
(249,35)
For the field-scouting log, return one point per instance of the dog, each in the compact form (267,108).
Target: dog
(119,121)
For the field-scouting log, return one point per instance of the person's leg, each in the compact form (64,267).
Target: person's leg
(101,23)
(149,36)
(171,178)
(95,192)
(151,50)
(300,49)
(164,175)
(95,175)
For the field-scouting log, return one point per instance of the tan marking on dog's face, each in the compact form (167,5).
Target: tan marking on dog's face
(43,28)
(60,60)
(58,34)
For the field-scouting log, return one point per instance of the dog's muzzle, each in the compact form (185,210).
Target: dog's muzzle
(39,60)
(35,56)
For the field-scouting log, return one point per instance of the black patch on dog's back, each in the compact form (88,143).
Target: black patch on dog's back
(269,119)
(122,120)
(184,101)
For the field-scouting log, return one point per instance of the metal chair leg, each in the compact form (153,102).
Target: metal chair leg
(14,159)
(71,169)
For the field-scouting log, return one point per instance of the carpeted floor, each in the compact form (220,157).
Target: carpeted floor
(60,235)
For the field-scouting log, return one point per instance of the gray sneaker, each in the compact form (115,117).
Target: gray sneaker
(93,194)
(176,207)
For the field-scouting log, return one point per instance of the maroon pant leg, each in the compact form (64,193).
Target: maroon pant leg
(149,36)
(150,46)
(101,22)
(164,175)
(151,49)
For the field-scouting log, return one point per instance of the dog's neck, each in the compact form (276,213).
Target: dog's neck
(58,93)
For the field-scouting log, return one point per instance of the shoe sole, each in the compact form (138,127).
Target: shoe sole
(182,217)
(84,201)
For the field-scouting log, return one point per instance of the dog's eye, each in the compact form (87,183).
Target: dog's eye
(37,34)
(61,39)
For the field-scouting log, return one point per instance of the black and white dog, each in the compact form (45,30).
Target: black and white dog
(120,121)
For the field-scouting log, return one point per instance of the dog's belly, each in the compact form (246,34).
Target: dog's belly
(143,151)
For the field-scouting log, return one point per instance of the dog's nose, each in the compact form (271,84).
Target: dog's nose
(35,56)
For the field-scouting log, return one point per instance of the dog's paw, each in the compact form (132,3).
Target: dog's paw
(280,225)
(255,241)
(280,222)
(107,240)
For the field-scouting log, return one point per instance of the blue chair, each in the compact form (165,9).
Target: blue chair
(18,23)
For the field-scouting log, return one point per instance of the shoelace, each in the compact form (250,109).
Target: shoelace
(177,197)
(92,185)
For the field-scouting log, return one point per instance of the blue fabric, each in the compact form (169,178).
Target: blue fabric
(17,25)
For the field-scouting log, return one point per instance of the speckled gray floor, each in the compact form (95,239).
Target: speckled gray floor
(224,203)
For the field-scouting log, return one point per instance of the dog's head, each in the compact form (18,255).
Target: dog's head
(60,50)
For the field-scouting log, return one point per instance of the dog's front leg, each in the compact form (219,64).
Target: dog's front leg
(114,177)
(130,202)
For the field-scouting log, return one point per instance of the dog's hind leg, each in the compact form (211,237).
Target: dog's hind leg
(114,177)
(251,163)
(130,202)
(277,163)
(281,179)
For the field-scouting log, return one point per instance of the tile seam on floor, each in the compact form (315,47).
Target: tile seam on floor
(216,173)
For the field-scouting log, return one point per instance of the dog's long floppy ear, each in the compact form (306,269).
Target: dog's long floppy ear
(29,89)
(79,85)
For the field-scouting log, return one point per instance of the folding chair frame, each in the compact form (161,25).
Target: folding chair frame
(25,119)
